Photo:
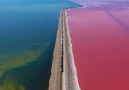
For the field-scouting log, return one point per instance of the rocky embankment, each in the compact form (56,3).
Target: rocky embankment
(63,72)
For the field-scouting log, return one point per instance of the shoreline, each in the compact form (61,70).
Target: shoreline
(72,71)
(54,81)
(63,71)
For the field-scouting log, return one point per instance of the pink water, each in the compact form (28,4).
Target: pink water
(100,42)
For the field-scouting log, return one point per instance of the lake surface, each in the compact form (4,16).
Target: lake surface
(100,41)
(27,37)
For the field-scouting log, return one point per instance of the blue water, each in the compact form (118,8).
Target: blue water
(27,38)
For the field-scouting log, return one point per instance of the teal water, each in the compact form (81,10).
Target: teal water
(27,37)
